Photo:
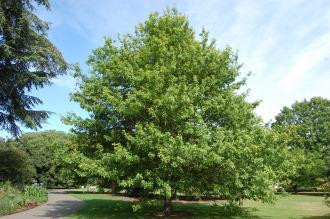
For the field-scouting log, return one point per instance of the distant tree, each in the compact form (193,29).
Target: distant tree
(167,117)
(310,167)
(45,150)
(28,60)
(307,127)
(15,165)
(308,122)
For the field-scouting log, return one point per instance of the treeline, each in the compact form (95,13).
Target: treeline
(36,157)
(305,126)
(58,159)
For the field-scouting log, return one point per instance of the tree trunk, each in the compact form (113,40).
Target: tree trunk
(295,188)
(114,187)
(167,206)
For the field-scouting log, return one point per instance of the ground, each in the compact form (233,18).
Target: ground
(293,207)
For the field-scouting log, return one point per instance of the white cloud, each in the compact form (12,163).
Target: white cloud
(308,58)
(283,43)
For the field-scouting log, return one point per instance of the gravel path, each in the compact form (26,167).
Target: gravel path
(59,205)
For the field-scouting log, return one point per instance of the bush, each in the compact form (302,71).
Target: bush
(326,188)
(36,193)
(10,197)
(13,198)
(101,190)
(15,165)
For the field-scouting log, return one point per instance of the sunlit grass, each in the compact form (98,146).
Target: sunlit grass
(293,207)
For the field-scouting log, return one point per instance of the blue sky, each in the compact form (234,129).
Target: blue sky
(284,44)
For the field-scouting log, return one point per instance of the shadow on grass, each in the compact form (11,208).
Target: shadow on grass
(326,216)
(115,209)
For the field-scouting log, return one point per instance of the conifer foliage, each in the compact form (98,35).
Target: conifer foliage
(28,60)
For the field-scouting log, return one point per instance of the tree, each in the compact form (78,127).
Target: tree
(309,122)
(307,126)
(166,117)
(46,150)
(310,168)
(28,60)
(15,165)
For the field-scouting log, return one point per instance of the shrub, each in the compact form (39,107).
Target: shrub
(15,165)
(9,199)
(35,193)
(326,188)
(101,190)
(13,198)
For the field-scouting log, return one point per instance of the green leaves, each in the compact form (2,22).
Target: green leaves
(167,112)
(308,122)
(44,154)
(28,60)
(306,126)
(15,165)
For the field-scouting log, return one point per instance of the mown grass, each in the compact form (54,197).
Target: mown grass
(293,207)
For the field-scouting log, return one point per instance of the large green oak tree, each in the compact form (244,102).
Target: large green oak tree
(167,116)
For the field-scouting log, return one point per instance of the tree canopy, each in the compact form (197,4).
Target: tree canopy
(167,116)
(307,128)
(45,152)
(28,60)
(15,165)
(309,124)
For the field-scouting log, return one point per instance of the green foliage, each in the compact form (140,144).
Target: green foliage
(13,198)
(306,126)
(10,197)
(35,193)
(166,116)
(136,207)
(28,60)
(310,167)
(15,165)
(45,151)
(326,188)
(307,123)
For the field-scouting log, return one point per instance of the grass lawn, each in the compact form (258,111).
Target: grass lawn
(293,207)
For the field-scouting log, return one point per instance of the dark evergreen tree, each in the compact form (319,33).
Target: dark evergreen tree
(28,60)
